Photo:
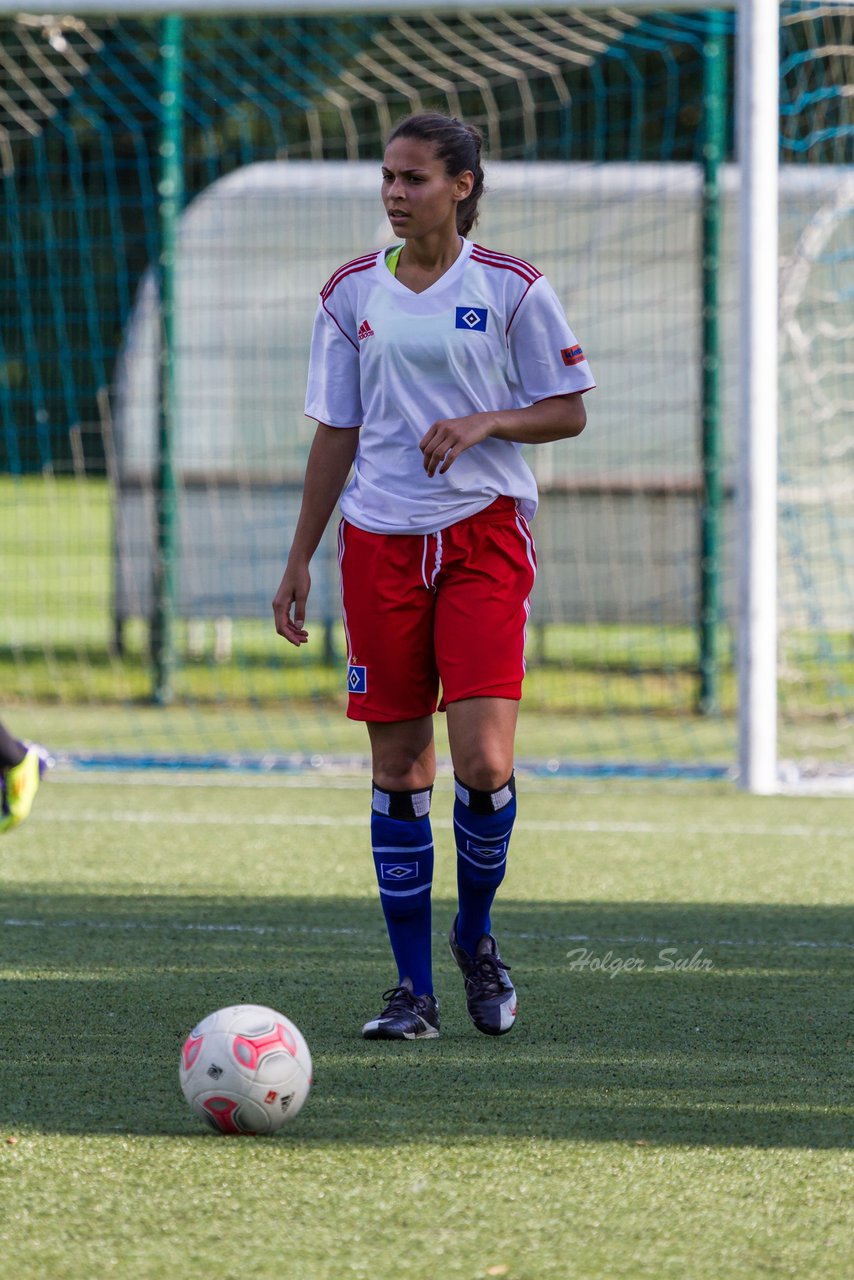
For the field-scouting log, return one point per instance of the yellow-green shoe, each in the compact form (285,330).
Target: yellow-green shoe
(20,784)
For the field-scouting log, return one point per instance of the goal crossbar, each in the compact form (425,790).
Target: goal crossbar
(129,8)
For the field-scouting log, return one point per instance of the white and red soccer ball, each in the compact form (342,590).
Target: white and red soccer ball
(245,1069)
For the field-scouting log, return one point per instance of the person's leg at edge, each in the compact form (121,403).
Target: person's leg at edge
(404,768)
(12,752)
(22,766)
(482,734)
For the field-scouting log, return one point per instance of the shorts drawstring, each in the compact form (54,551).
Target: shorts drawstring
(437,560)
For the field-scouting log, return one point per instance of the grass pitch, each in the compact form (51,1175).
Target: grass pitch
(675,1100)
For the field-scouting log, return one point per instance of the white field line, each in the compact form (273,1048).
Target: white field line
(329,780)
(153,817)
(140,926)
(819,788)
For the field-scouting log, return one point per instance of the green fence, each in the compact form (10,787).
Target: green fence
(610,141)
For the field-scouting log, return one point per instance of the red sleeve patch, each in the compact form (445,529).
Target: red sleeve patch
(572,355)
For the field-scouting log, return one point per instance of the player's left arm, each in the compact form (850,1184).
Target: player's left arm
(554,418)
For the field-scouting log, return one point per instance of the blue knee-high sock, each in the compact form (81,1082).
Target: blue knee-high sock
(402,842)
(483,821)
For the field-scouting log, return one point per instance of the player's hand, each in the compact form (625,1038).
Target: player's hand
(289,604)
(450,437)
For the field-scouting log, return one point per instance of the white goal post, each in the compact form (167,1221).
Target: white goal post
(758,93)
(757,134)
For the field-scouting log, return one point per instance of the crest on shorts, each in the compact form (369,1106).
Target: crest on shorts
(357,679)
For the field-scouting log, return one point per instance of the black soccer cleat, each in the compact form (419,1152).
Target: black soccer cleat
(405,1017)
(490,995)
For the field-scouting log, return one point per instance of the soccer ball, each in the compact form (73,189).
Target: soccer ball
(245,1069)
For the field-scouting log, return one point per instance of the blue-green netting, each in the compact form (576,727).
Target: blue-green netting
(617,103)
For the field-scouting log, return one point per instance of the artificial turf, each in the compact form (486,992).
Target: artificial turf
(675,1100)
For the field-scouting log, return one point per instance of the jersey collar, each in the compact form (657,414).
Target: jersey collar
(392,282)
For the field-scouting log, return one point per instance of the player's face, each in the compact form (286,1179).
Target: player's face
(419,196)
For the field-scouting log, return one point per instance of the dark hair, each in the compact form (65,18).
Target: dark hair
(459,146)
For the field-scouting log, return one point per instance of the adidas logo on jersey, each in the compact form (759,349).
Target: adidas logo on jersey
(365,331)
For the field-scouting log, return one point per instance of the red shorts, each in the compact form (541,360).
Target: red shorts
(424,608)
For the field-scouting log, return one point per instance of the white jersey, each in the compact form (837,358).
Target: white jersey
(489,334)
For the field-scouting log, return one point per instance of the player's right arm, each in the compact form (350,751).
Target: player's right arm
(332,396)
(328,466)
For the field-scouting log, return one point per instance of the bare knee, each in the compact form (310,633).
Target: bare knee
(403,755)
(482,733)
(485,773)
(402,773)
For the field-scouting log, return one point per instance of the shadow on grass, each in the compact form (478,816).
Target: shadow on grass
(745,1044)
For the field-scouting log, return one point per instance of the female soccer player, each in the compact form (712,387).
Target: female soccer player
(431,364)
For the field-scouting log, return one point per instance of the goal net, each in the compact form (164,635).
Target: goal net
(599,125)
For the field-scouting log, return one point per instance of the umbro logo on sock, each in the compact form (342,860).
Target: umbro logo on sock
(365,331)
